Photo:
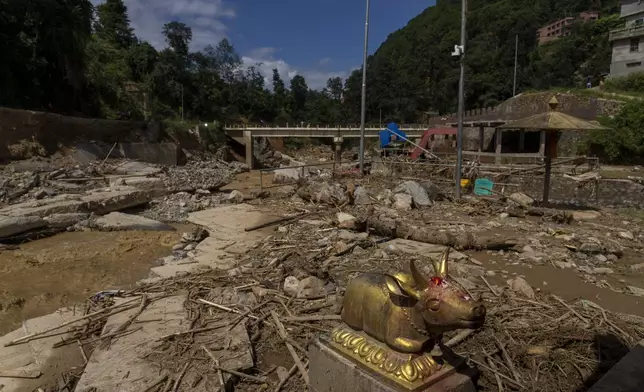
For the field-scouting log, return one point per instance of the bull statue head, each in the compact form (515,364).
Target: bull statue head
(441,303)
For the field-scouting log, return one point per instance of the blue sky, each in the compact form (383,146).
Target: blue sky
(315,38)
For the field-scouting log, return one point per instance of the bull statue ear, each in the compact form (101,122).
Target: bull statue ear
(421,282)
(440,266)
(401,288)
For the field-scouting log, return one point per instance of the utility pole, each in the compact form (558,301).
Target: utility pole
(363,107)
(461,97)
(516,55)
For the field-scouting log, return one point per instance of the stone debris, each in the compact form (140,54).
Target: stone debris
(118,221)
(403,201)
(418,193)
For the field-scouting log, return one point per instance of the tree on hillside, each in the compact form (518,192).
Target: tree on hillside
(178,36)
(334,88)
(299,92)
(113,24)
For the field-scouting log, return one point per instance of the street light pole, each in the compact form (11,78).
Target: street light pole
(461,104)
(363,107)
(516,55)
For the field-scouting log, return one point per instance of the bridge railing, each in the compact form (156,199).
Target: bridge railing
(430,121)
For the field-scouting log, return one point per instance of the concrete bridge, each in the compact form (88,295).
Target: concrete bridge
(239,132)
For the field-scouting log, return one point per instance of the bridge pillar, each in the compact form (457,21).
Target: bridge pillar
(337,142)
(248,141)
(499,143)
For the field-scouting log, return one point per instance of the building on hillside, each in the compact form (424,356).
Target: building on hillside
(628,41)
(561,27)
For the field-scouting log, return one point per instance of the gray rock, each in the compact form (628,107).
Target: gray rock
(585,215)
(402,201)
(601,258)
(361,196)
(311,288)
(346,221)
(627,235)
(433,191)
(520,285)
(591,248)
(15,225)
(236,197)
(291,284)
(418,193)
(636,291)
(349,236)
(290,175)
(117,221)
(637,267)
(602,271)
(521,198)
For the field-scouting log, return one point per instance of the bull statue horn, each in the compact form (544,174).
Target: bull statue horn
(440,266)
(419,279)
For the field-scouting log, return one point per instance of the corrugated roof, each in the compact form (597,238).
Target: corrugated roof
(552,120)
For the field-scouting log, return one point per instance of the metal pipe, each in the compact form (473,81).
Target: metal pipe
(461,98)
(414,144)
(363,107)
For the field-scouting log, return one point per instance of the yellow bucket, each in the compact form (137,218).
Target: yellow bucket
(465,183)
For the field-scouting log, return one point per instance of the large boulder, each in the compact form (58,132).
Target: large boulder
(418,193)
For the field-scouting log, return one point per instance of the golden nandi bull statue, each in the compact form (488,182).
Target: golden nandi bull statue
(395,320)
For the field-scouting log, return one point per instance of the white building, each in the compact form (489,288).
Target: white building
(628,42)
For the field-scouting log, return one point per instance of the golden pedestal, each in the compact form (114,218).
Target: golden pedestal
(404,372)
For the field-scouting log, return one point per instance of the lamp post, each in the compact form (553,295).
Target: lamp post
(364,88)
(460,51)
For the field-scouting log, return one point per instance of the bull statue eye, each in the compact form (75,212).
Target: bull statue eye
(433,305)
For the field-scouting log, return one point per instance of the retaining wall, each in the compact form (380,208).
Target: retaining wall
(26,133)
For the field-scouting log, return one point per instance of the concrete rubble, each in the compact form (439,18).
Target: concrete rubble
(242,294)
(39,197)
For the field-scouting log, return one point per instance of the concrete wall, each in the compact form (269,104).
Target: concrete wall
(625,61)
(630,7)
(607,193)
(24,133)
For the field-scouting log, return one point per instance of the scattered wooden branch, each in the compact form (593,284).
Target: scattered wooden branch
(177,382)
(27,374)
(282,332)
(35,335)
(313,318)
(230,371)
(123,327)
(156,383)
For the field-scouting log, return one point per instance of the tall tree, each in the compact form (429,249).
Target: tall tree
(113,24)
(334,87)
(299,92)
(178,36)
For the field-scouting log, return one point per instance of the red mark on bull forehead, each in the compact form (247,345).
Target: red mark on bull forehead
(448,289)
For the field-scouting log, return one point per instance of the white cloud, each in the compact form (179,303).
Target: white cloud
(324,61)
(205,17)
(315,79)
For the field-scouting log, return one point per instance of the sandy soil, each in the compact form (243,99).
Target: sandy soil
(47,274)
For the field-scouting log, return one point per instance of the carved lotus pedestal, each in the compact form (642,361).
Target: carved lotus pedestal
(350,361)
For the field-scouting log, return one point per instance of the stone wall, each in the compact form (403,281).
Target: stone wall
(25,133)
(607,193)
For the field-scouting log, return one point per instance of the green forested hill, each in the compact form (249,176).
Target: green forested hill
(413,70)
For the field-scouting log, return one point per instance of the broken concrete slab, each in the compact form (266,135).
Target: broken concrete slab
(11,225)
(100,201)
(39,355)
(118,221)
(122,366)
(227,237)
(61,221)
(108,200)
(154,185)
(61,204)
